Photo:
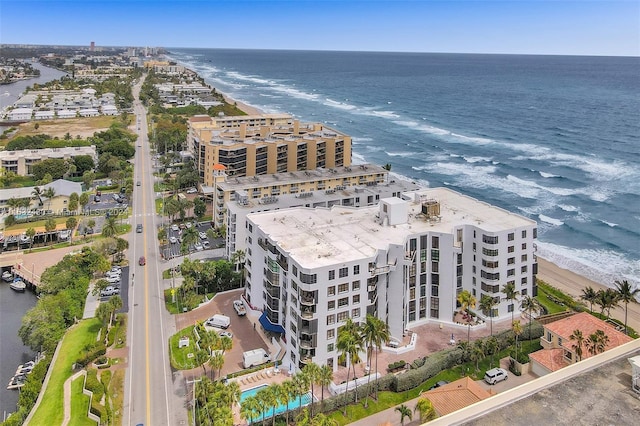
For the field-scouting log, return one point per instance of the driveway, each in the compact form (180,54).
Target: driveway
(245,336)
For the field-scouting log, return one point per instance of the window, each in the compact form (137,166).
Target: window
(511,249)
(523,269)
(511,261)
(523,292)
(355,299)
(343,272)
(459,258)
(342,316)
(511,236)
(435,242)
(523,281)
(308,278)
(434,290)
(331,305)
(489,239)
(332,274)
(331,333)
(524,234)
(535,232)
(489,252)
(331,319)
(459,235)
(434,266)
(524,246)
(294,270)
(355,313)
(523,258)
(355,285)
(356,269)
(343,287)
(511,272)
(510,308)
(330,347)
(343,302)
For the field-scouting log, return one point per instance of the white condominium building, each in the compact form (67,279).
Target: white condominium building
(404,261)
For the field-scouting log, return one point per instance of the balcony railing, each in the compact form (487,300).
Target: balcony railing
(307,314)
(307,301)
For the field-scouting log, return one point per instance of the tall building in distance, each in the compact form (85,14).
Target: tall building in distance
(255,145)
(92,46)
(404,261)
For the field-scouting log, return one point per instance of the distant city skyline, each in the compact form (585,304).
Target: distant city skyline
(482,26)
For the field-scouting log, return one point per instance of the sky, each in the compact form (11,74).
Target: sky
(557,27)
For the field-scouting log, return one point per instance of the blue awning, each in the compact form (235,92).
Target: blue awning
(269,326)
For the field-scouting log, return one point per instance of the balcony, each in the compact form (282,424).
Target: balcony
(306,344)
(282,261)
(372,299)
(307,313)
(372,287)
(306,300)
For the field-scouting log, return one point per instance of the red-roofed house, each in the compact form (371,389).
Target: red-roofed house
(457,395)
(558,348)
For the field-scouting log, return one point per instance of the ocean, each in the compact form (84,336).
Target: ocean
(553,138)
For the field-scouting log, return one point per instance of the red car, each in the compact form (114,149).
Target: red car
(142,261)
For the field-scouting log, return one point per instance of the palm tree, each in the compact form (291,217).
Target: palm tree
(375,332)
(313,372)
(30,232)
(466,300)
(477,352)
(350,344)
(289,388)
(115,303)
(487,303)
(577,347)
(189,237)
(49,193)
(404,412)
(216,362)
(300,386)
(265,400)
(511,294)
(281,392)
(325,377)
(271,400)
(71,224)
(589,295)
(626,293)
(491,346)
(597,342)
(37,195)
(201,357)
(49,226)
(323,420)
(110,227)
(516,326)
(531,306)
(91,223)
(427,412)
(607,299)
(250,409)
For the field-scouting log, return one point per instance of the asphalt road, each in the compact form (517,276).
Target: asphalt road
(149,390)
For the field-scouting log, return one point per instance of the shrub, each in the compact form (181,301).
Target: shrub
(419,362)
(90,354)
(395,365)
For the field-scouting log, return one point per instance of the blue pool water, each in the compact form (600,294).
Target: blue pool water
(293,404)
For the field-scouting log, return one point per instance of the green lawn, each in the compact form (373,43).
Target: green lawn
(50,410)
(79,405)
(179,357)
(551,305)
(34,225)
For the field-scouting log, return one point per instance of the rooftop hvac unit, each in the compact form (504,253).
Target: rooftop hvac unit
(431,209)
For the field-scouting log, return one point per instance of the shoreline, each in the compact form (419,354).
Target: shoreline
(568,281)
(572,283)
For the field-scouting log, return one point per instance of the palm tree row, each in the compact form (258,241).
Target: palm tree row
(610,298)
(265,402)
(214,401)
(595,343)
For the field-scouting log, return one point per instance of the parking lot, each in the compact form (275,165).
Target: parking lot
(245,336)
(174,236)
(123,285)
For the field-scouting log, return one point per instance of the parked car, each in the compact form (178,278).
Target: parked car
(495,375)
(440,383)
(114,279)
(192,191)
(175,228)
(226,334)
(198,247)
(142,261)
(173,240)
(24,238)
(202,235)
(139,228)
(239,307)
(138,183)
(109,291)
(188,225)
(206,245)
(96,199)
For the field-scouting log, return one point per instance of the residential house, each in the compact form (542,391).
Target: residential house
(457,395)
(559,350)
(20,114)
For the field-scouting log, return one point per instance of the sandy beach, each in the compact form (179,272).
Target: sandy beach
(572,283)
(250,110)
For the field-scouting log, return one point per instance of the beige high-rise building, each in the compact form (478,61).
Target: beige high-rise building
(255,145)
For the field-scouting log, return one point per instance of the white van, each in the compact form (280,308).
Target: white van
(255,357)
(220,321)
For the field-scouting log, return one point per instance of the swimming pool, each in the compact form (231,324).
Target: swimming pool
(293,404)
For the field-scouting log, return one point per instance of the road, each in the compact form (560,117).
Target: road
(149,387)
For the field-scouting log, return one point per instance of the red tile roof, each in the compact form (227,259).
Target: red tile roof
(587,324)
(456,395)
(551,359)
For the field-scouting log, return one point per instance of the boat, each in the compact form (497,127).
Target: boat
(7,276)
(18,285)
(16,382)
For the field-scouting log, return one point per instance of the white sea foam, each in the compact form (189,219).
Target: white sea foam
(358,140)
(603,266)
(547,175)
(404,154)
(550,220)
(358,158)
(339,105)
(476,159)
(568,208)
(376,113)
(553,190)
(611,224)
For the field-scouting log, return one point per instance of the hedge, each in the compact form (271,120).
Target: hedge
(91,353)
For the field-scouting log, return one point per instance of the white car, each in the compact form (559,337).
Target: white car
(188,225)
(109,291)
(495,375)
(175,228)
(24,238)
(173,240)
(192,191)
(206,245)
(202,235)
(226,334)
(116,269)
(113,279)
(198,247)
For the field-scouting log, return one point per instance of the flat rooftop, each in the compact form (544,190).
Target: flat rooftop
(321,237)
